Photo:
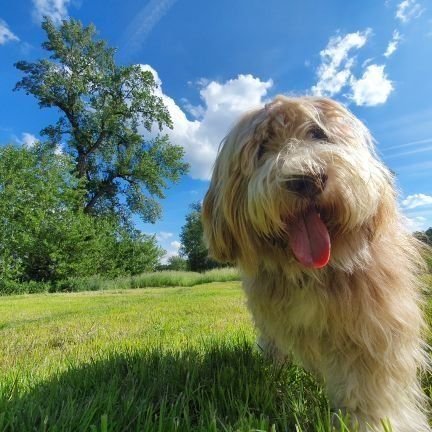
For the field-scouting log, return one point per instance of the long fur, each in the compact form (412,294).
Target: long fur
(356,323)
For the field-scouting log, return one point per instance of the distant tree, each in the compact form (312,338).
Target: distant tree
(134,252)
(428,234)
(424,236)
(176,263)
(193,247)
(102,107)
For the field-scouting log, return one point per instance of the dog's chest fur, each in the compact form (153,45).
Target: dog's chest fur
(292,316)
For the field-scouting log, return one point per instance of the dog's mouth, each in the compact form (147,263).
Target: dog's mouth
(310,239)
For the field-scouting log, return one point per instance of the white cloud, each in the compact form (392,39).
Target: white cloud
(223,103)
(416,223)
(393,44)
(171,250)
(334,71)
(59,150)
(408,10)
(196,111)
(55,9)
(175,245)
(6,34)
(416,200)
(163,235)
(28,140)
(373,88)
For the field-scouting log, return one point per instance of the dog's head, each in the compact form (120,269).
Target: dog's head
(298,184)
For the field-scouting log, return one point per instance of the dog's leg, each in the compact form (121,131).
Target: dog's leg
(373,393)
(271,351)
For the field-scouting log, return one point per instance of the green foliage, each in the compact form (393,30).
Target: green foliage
(166,278)
(176,263)
(426,238)
(105,111)
(44,233)
(193,247)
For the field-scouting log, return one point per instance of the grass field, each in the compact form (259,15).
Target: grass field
(172,359)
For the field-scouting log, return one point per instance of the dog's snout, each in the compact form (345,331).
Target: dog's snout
(307,186)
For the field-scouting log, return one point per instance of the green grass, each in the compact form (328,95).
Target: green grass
(164,278)
(177,359)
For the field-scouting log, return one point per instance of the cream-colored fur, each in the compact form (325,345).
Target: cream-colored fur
(356,323)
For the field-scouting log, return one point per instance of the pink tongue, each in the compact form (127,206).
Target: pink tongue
(310,240)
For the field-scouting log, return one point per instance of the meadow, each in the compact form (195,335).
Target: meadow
(171,359)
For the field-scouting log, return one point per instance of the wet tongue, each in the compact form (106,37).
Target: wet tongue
(310,240)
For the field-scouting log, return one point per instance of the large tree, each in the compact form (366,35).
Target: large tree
(108,114)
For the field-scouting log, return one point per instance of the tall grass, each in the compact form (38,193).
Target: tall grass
(166,278)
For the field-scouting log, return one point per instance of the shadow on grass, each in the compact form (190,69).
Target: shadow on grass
(225,387)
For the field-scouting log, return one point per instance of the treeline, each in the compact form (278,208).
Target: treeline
(45,234)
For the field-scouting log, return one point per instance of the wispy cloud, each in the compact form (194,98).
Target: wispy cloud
(416,200)
(337,60)
(27,140)
(6,34)
(393,44)
(408,10)
(410,152)
(54,9)
(416,223)
(163,235)
(144,22)
(416,169)
(408,144)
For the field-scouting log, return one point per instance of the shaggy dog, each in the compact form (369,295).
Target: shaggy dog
(301,203)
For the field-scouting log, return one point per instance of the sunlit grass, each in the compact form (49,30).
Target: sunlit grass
(172,359)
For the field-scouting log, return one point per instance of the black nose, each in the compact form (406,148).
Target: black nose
(307,186)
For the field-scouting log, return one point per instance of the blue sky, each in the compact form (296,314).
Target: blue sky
(214,60)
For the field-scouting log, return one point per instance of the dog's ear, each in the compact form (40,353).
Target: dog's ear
(217,234)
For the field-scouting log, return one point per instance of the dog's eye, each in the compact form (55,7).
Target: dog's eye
(261,151)
(317,134)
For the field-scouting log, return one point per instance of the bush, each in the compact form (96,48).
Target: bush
(9,287)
